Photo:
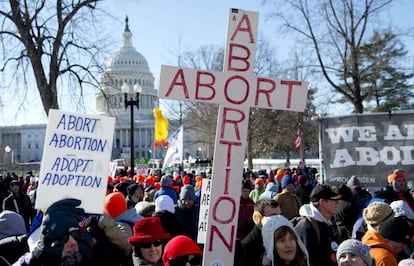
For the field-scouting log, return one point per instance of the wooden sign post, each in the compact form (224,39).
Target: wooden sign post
(236,90)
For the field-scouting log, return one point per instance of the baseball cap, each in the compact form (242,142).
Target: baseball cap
(323,192)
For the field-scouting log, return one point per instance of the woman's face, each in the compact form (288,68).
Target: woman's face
(286,247)
(152,254)
(349,259)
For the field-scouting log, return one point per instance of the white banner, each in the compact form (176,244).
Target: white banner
(174,154)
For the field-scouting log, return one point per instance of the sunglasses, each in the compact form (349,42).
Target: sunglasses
(150,244)
(194,260)
(73,232)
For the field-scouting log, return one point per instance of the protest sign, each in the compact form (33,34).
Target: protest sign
(369,146)
(75,160)
(204,208)
(235,90)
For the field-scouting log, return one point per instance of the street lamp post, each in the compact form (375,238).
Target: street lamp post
(131,102)
(8,149)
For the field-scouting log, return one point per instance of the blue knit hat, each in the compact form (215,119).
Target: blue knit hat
(286,180)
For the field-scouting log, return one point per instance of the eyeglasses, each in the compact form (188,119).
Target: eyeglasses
(194,260)
(150,244)
(73,232)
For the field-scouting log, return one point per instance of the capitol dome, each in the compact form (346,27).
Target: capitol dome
(127,58)
(129,67)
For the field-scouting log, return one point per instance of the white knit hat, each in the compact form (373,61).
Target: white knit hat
(401,208)
(164,203)
(269,225)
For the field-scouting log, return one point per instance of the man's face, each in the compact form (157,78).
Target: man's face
(245,193)
(270,211)
(15,189)
(71,246)
(258,185)
(399,184)
(187,203)
(329,207)
(139,193)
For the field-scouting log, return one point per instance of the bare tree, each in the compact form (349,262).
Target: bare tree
(50,42)
(336,30)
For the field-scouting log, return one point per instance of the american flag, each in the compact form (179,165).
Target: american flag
(298,140)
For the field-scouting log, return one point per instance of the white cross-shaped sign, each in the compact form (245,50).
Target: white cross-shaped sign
(235,90)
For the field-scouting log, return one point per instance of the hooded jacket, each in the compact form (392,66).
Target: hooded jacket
(270,191)
(270,225)
(381,251)
(322,251)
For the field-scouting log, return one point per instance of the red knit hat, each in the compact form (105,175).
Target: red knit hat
(149,180)
(186,180)
(180,246)
(147,230)
(115,204)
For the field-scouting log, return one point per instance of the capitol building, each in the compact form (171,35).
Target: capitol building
(124,70)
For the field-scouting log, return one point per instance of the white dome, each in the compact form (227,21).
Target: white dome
(127,59)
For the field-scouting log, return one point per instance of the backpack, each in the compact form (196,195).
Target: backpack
(313,222)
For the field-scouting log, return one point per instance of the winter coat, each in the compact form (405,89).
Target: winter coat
(138,261)
(13,247)
(24,206)
(252,249)
(270,191)
(245,221)
(321,247)
(381,251)
(188,219)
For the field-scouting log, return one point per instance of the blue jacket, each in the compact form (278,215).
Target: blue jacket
(169,191)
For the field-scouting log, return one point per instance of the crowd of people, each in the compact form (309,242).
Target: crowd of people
(285,218)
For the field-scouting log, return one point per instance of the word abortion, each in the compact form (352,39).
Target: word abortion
(77,143)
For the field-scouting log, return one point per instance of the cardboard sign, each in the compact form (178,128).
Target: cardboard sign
(204,210)
(235,90)
(75,161)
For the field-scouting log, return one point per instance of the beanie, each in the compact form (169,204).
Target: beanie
(145,208)
(164,203)
(11,224)
(406,262)
(397,229)
(353,182)
(356,248)
(166,181)
(180,246)
(115,204)
(302,179)
(186,180)
(187,192)
(401,208)
(259,181)
(377,213)
(397,173)
(14,183)
(286,180)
